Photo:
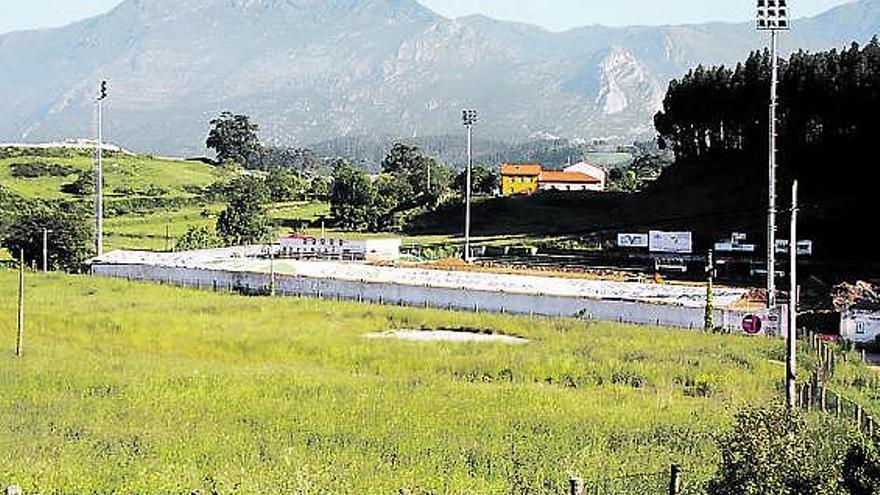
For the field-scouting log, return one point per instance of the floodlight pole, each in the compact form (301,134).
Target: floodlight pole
(773,16)
(469,119)
(99,174)
(771,200)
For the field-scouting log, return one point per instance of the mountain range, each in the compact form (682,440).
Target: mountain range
(312,70)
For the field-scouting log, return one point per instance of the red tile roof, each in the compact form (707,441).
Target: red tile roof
(567,177)
(521,169)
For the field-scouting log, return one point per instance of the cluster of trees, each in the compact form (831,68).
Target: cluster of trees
(70,231)
(235,140)
(410,182)
(826,100)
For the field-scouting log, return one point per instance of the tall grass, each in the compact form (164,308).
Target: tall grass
(129,388)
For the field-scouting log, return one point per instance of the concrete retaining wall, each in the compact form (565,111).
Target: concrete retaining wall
(427,297)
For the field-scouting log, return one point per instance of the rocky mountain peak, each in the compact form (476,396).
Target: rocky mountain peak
(311,70)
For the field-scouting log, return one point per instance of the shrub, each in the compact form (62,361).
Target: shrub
(84,185)
(33,170)
(770,452)
(197,237)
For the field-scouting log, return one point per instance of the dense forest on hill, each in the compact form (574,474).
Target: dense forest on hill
(715,119)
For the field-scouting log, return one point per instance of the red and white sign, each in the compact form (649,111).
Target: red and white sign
(752,324)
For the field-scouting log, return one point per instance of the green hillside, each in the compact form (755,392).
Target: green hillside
(125,175)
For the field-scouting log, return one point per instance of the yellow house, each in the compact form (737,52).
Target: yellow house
(519,178)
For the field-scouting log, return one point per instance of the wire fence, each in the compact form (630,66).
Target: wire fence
(676,481)
(816,395)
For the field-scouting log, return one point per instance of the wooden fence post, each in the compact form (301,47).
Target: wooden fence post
(809,398)
(859,416)
(870,426)
(839,405)
(822,397)
(576,486)
(675,480)
(19,338)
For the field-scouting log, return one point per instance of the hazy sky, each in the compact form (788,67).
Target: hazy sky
(552,14)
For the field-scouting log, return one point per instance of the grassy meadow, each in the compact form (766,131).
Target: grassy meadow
(133,172)
(131,388)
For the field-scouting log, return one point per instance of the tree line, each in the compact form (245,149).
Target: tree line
(410,182)
(826,100)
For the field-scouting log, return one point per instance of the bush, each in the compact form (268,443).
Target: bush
(34,170)
(150,191)
(861,470)
(144,205)
(771,452)
(197,237)
(84,185)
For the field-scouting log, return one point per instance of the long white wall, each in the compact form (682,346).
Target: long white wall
(639,313)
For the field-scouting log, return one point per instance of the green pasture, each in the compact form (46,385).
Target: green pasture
(136,388)
(121,171)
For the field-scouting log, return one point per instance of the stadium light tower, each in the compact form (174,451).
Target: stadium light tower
(772,16)
(469,119)
(99,174)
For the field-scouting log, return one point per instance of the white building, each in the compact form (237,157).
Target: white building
(861,326)
(298,246)
(567,181)
(594,171)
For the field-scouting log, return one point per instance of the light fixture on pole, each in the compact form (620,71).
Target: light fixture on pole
(99,174)
(469,119)
(773,16)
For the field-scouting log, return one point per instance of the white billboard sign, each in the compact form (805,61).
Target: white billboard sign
(632,240)
(731,247)
(804,248)
(671,242)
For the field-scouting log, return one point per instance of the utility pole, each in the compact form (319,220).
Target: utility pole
(469,118)
(19,341)
(791,348)
(99,174)
(709,322)
(772,15)
(45,250)
(271,272)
